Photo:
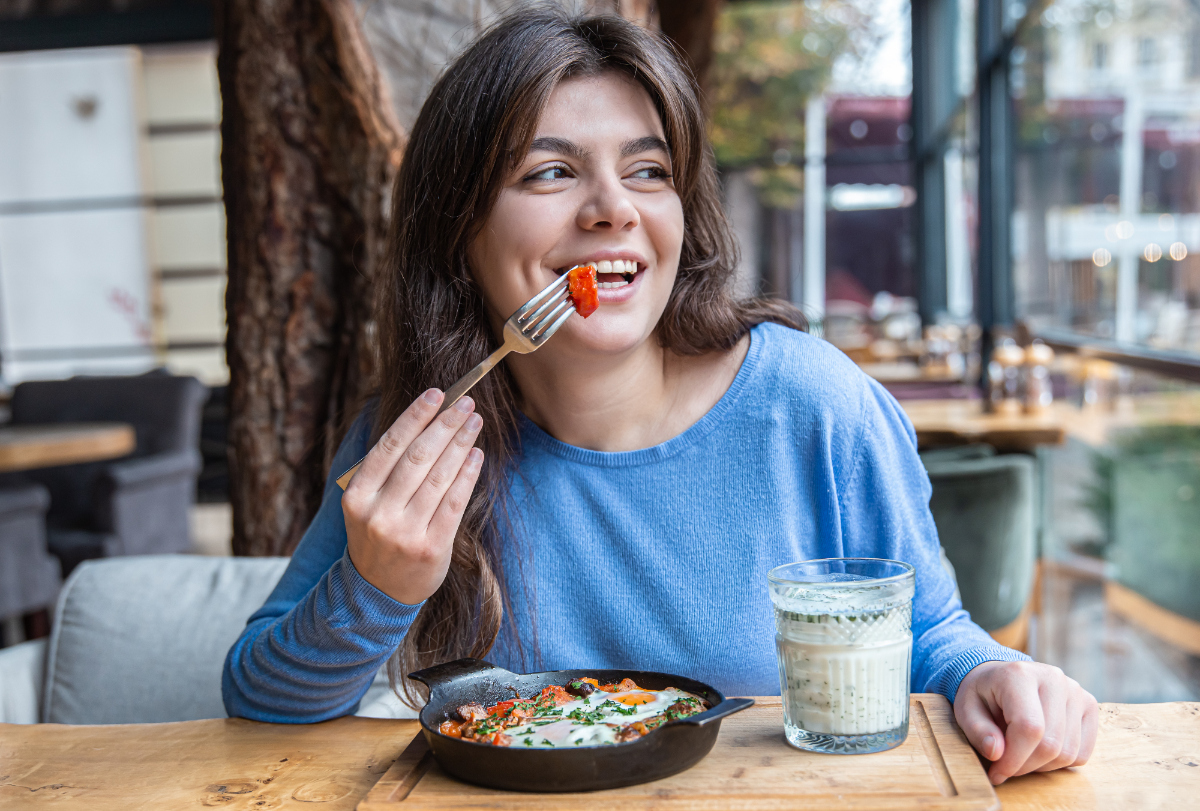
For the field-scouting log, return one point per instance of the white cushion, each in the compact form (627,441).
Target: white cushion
(21,670)
(143,639)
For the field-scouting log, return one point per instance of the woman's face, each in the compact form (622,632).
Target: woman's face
(596,186)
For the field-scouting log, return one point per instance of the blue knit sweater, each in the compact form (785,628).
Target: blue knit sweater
(653,559)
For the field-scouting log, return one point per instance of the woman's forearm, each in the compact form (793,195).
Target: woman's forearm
(315,661)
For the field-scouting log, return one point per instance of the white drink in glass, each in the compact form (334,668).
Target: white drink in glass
(844,640)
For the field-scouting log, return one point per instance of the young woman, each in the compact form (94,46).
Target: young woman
(615,499)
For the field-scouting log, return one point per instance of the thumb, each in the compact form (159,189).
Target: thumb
(976,720)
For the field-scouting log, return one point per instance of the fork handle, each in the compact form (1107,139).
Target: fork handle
(453,395)
(464,384)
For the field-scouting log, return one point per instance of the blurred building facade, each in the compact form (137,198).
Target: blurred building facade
(1107,214)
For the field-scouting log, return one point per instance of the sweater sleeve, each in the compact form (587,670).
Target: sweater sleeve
(310,653)
(885,513)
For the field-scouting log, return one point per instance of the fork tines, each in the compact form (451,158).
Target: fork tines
(551,290)
(543,314)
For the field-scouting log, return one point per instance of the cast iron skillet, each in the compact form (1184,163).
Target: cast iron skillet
(665,751)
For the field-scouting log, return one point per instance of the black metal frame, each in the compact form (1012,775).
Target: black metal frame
(994,303)
(933,108)
(172,21)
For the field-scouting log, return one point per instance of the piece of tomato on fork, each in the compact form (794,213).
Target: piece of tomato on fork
(581,287)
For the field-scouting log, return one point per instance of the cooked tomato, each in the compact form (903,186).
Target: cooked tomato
(624,686)
(452,728)
(500,709)
(581,285)
(560,694)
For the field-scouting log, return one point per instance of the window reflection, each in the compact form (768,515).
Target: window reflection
(1107,215)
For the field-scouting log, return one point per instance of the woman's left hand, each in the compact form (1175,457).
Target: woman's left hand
(1026,717)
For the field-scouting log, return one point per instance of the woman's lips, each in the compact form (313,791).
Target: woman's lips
(622,292)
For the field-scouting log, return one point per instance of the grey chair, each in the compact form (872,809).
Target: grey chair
(29,575)
(984,508)
(143,640)
(136,505)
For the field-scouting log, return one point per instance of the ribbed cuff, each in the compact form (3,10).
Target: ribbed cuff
(360,603)
(946,680)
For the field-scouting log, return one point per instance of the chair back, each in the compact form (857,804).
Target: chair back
(163,409)
(984,509)
(144,639)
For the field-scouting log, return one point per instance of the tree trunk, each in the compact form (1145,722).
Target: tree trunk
(309,153)
(690,24)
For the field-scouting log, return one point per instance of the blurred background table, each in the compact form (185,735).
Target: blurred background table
(960,422)
(30,446)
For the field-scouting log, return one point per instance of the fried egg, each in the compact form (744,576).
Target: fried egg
(594,720)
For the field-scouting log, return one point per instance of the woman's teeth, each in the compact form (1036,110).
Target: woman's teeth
(623,267)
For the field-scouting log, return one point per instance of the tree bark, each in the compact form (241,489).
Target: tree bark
(690,24)
(308,157)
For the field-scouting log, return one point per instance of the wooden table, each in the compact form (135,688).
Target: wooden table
(902,372)
(24,447)
(1148,756)
(959,422)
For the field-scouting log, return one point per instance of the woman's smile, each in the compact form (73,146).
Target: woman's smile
(618,274)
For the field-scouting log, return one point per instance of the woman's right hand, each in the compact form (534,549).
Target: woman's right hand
(404,504)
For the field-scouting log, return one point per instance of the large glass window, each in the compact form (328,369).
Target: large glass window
(810,125)
(1107,213)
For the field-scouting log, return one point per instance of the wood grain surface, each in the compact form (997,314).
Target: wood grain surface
(751,767)
(225,763)
(1147,757)
(24,447)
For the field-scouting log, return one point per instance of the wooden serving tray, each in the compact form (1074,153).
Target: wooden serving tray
(751,767)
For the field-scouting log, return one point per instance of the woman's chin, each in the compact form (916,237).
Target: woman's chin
(608,336)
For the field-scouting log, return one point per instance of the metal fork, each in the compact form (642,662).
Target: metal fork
(525,331)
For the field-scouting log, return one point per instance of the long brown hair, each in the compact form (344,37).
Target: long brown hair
(476,125)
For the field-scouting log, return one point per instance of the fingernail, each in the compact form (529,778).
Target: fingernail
(989,747)
(474,422)
(475,456)
(465,404)
(433,396)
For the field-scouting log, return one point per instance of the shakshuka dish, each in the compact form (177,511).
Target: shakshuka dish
(583,713)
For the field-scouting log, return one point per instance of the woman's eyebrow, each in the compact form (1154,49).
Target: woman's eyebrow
(648,143)
(635,146)
(560,145)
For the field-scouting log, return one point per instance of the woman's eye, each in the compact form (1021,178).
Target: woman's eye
(548,173)
(651,173)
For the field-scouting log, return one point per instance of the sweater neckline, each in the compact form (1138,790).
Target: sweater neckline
(533,436)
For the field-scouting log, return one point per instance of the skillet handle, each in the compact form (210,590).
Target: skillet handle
(727,707)
(434,677)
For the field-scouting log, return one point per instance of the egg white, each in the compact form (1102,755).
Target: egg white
(564,731)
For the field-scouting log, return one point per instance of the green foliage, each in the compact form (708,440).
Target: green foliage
(769,58)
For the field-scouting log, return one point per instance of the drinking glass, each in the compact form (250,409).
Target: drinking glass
(843,632)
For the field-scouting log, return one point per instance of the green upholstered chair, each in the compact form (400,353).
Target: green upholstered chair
(985,509)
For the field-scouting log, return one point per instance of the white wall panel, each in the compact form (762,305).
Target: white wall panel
(73,280)
(193,309)
(189,236)
(185,164)
(70,125)
(181,84)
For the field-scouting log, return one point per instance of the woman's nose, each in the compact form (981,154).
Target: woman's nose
(608,206)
